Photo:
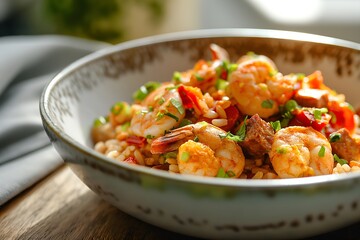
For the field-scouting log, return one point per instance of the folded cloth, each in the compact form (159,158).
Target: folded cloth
(27,63)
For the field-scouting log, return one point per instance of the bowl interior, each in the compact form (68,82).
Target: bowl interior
(90,86)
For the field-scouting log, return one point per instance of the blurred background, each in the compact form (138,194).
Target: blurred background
(115,21)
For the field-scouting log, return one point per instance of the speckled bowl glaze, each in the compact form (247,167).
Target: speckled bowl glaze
(202,207)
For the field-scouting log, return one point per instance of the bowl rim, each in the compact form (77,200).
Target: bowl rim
(183,35)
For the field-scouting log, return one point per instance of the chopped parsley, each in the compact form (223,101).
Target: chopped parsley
(240,134)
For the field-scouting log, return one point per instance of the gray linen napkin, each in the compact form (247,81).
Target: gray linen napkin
(27,63)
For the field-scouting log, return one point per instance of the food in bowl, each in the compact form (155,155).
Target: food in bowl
(242,119)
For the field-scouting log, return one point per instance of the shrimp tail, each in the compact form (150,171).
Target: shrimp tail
(171,141)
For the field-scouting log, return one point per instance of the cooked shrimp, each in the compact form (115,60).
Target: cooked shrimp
(203,150)
(160,111)
(301,152)
(204,74)
(258,88)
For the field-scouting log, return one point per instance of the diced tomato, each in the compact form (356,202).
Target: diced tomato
(306,118)
(316,80)
(344,116)
(189,97)
(137,141)
(131,160)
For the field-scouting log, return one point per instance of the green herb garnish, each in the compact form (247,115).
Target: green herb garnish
(318,112)
(178,105)
(221,84)
(100,121)
(334,137)
(144,90)
(185,156)
(340,160)
(177,77)
(276,125)
(267,103)
(321,152)
(172,116)
(198,77)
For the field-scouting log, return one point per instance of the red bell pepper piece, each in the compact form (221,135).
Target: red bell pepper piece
(188,97)
(136,140)
(233,115)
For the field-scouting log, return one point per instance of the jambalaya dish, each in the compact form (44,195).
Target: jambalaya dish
(242,119)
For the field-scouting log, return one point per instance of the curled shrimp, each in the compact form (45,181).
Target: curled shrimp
(301,152)
(159,112)
(202,150)
(204,74)
(258,88)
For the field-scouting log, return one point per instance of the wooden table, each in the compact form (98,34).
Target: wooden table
(62,207)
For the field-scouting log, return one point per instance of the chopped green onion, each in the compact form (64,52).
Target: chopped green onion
(185,122)
(321,152)
(185,156)
(161,100)
(300,76)
(276,125)
(318,112)
(230,173)
(172,116)
(177,77)
(291,105)
(281,150)
(117,108)
(170,155)
(221,84)
(198,77)
(159,116)
(273,73)
(178,105)
(149,136)
(221,173)
(196,139)
(267,103)
(144,90)
(340,160)
(334,137)
(125,126)
(100,121)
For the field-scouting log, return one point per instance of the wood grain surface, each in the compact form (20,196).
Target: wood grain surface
(62,207)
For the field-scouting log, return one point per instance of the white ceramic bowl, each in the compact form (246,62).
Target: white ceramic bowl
(196,206)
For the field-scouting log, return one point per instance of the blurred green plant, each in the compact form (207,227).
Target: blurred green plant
(97,19)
